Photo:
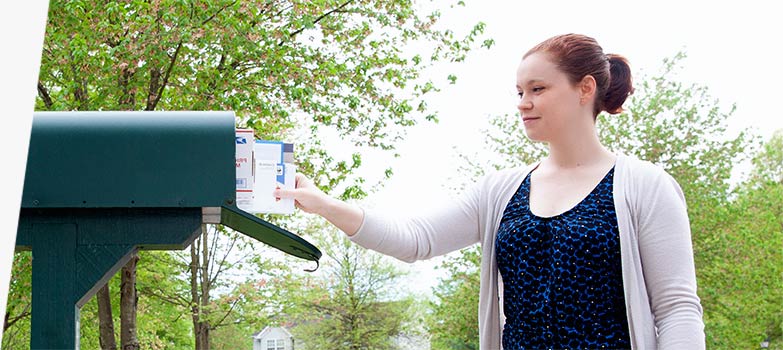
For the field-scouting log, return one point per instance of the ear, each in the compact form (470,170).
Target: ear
(587,88)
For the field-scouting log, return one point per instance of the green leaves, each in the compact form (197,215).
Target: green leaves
(351,302)
(16,328)
(284,67)
(740,260)
(768,163)
(453,323)
(342,63)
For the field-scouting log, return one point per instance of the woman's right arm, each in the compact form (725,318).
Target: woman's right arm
(444,227)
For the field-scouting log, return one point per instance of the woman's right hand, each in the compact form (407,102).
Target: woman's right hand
(310,199)
(307,196)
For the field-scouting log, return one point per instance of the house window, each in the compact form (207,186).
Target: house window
(275,344)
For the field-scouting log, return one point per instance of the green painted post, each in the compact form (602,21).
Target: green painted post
(76,251)
(54,313)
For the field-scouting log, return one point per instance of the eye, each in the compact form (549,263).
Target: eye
(520,94)
(538,89)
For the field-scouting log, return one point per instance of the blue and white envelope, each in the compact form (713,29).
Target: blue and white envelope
(272,172)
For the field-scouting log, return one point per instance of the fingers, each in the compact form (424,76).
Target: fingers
(306,195)
(301,180)
(282,193)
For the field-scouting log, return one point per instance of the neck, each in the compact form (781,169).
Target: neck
(580,148)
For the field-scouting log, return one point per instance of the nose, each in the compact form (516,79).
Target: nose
(524,104)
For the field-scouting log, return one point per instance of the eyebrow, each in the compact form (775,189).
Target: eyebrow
(531,81)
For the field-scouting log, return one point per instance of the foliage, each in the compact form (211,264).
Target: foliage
(226,286)
(233,336)
(683,129)
(281,66)
(160,325)
(768,163)
(288,69)
(741,261)
(16,325)
(349,303)
(453,322)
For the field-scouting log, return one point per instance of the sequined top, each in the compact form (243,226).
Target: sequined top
(562,275)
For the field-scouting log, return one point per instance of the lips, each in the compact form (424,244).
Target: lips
(525,119)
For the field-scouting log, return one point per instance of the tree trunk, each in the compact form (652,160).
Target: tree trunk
(107,340)
(127,95)
(202,338)
(199,289)
(205,287)
(194,299)
(128,302)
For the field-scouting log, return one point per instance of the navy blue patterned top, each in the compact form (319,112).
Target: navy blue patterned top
(562,275)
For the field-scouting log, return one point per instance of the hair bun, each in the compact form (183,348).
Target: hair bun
(620,84)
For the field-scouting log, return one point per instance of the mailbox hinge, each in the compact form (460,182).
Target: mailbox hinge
(210,215)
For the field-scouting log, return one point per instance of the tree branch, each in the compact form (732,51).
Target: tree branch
(282,10)
(217,13)
(153,102)
(231,309)
(166,296)
(10,321)
(328,310)
(80,92)
(319,19)
(43,92)
(213,249)
(128,97)
(221,265)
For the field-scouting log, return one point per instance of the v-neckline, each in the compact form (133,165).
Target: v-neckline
(528,179)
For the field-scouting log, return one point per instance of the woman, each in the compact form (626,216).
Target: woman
(582,249)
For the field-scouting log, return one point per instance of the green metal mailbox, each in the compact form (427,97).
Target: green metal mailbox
(101,185)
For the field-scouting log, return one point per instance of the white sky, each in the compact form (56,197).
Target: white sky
(732,48)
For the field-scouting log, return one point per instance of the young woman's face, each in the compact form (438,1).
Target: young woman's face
(548,101)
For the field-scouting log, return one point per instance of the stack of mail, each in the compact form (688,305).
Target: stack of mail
(272,167)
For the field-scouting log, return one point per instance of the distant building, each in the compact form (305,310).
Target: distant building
(279,338)
(273,338)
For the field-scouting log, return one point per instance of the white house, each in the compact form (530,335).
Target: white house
(273,338)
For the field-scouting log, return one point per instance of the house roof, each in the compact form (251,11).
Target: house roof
(268,329)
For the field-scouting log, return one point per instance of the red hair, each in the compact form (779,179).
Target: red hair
(578,56)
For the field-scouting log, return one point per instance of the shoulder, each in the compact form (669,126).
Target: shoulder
(633,169)
(499,181)
(646,179)
(506,174)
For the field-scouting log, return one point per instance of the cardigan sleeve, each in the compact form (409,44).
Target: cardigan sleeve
(443,228)
(667,261)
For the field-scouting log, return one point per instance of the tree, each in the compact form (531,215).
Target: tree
(453,321)
(741,262)
(160,325)
(681,128)
(350,303)
(217,281)
(768,163)
(284,67)
(16,321)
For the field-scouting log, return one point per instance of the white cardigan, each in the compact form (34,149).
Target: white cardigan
(659,278)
